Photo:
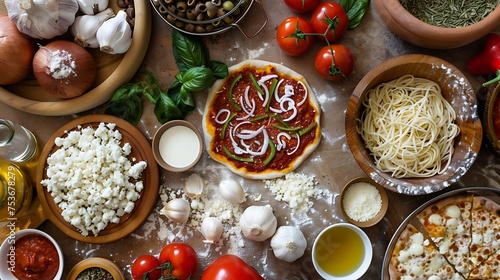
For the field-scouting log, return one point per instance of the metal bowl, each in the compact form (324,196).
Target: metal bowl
(169,11)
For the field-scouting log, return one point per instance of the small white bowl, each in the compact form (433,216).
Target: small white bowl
(177,145)
(350,244)
(7,254)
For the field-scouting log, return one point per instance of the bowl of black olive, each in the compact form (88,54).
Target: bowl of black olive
(207,17)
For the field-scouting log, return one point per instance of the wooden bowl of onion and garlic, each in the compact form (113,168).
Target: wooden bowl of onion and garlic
(439,24)
(416,145)
(75,64)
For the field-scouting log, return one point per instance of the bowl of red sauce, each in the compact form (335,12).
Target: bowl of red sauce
(31,254)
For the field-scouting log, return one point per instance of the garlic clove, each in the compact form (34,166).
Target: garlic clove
(92,7)
(211,228)
(232,191)
(42,19)
(288,243)
(194,186)
(258,223)
(177,210)
(85,27)
(115,34)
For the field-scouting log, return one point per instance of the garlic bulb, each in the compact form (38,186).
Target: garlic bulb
(85,27)
(288,243)
(193,186)
(211,228)
(115,34)
(42,19)
(258,223)
(92,7)
(177,210)
(232,191)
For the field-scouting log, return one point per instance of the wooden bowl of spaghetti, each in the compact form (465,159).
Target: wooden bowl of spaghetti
(421,131)
(439,24)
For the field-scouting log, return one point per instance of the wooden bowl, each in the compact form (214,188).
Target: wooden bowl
(96,262)
(415,31)
(383,195)
(456,89)
(488,118)
(189,149)
(113,71)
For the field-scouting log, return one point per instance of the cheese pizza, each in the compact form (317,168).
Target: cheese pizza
(463,230)
(262,121)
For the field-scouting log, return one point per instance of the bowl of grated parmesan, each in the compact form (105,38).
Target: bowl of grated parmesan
(363,202)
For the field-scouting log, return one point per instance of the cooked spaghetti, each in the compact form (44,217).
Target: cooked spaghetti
(408,127)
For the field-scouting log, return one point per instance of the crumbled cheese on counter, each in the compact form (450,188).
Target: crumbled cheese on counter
(295,189)
(362,201)
(209,204)
(89,177)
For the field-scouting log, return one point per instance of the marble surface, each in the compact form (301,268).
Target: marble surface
(332,164)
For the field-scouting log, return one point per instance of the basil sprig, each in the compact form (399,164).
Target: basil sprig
(196,73)
(355,10)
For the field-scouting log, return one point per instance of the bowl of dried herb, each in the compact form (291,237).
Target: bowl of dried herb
(443,24)
(95,268)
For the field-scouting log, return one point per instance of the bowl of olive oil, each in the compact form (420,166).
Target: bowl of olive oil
(342,251)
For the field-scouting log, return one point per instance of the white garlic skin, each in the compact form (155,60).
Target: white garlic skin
(85,28)
(42,19)
(211,228)
(232,191)
(92,7)
(194,185)
(177,210)
(288,243)
(258,223)
(115,34)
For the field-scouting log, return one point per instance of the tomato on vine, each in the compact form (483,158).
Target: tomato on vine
(179,260)
(292,36)
(146,266)
(329,18)
(334,62)
(302,6)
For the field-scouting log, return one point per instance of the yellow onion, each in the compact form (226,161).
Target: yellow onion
(16,53)
(64,69)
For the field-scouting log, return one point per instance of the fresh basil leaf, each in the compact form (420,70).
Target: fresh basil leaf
(346,4)
(189,51)
(182,98)
(129,109)
(165,109)
(220,69)
(356,13)
(195,79)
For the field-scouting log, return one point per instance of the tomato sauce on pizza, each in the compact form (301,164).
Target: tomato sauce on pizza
(262,120)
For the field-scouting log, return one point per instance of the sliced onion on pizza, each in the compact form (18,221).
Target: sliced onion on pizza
(262,121)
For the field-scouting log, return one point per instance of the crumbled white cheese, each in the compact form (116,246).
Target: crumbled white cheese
(295,189)
(62,64)
(362,201)
(89,177)
(209,204)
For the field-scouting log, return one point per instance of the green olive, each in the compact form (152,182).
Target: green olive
(228,5)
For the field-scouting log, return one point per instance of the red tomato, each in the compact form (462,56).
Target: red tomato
(291,36)
(343,62)
(146,264)
(329,18)
(182,257)
(230,267)
(302,6)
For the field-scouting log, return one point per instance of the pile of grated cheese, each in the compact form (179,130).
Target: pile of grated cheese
(89,177)
(296,190)
(362,201)
(209,204)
